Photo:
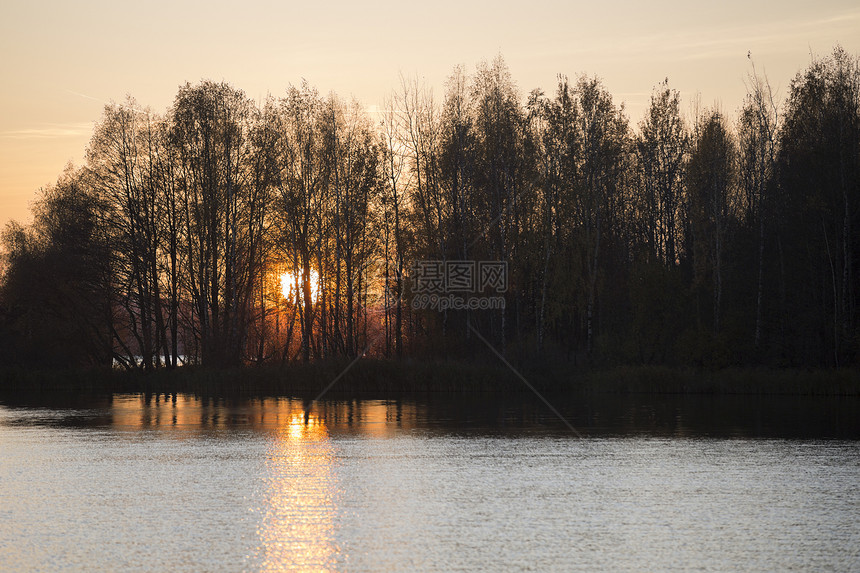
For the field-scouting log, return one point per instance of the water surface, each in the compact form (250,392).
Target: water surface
(136,482)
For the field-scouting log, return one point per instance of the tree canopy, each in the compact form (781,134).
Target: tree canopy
(695,240)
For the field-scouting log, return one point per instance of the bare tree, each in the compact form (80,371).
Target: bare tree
(662,146)
(711,185)
(758,129)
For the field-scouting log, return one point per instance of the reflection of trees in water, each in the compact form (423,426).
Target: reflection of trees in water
(596,414)
(205,414)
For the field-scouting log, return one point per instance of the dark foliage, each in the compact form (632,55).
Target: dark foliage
(683,242)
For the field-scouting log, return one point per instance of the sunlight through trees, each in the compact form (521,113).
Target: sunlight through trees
(224,232)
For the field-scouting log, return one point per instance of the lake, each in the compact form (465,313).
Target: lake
(188,483)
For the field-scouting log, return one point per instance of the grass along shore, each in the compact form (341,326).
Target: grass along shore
(388,377)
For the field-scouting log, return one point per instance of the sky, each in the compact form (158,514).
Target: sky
(61,61)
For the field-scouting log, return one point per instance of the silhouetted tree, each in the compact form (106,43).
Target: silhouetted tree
(663,244)
(301,178)
(394,205)
(819,177)
(711,186)
(55,288)
(758,138)
(662,147)
(211,125)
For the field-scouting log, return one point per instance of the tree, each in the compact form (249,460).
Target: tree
(558,146)
(127,161)
(661,148)
(603,133)
(819,178)
(211,125)
(711,187)
(668,246)
(758,138)
(301,171)
(356,181)
(55,288)
(499,127)
(394,204)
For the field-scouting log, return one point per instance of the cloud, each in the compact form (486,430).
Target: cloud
(711,42)
(774,36)
(50,131)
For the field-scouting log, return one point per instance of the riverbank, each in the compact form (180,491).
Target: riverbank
(388,377)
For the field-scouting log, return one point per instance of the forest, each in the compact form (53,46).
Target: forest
(224,232)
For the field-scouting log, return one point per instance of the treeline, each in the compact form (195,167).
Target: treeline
(224,232)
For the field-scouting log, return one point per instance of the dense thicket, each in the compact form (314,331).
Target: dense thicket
(223,232)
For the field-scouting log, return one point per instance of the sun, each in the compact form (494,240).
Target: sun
(288,285)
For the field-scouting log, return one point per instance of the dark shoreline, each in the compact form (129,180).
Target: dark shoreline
(373,377)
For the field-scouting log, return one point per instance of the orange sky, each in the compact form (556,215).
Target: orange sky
(62,61)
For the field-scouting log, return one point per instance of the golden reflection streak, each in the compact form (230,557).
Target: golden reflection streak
(192,415)
(297,532)
(300,502)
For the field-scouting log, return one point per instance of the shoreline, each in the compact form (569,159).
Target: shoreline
(389,377)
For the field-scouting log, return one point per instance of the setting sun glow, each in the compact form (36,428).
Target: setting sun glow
(291,285)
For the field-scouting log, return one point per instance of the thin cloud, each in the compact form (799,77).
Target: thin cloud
(708,43)
(846,17)
(50,131)
(85,96)
(721,43)
(104,101)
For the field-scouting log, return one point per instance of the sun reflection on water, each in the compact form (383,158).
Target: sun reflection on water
(297,506)
(297,529)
